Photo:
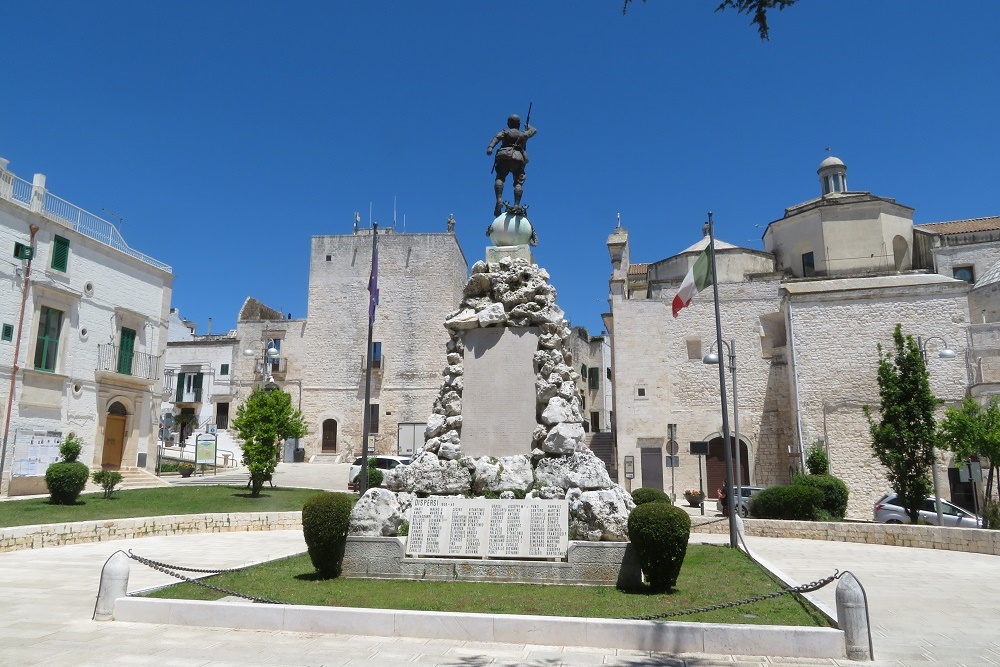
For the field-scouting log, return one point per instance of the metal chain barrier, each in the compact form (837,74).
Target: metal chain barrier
(804,588)
(174,571)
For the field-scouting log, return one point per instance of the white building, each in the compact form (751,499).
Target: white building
(89,338)
(805,316)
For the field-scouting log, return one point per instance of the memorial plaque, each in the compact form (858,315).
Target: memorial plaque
(498,399)
(480,528)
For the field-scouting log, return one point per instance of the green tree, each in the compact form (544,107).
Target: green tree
(972,430)
(904,437)
(266,417)
(757,8)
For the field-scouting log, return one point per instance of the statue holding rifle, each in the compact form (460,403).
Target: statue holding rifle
(511,159)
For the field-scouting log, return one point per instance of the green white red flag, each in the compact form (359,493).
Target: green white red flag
(698,278)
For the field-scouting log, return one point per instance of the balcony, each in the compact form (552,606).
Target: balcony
(114,362)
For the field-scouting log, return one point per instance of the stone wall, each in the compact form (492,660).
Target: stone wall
(59,534)
(969,540)
(591,563)
(836,334)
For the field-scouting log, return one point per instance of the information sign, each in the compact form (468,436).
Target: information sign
(630,467)
(204,450)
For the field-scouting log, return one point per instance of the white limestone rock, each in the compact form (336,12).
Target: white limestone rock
(466,319)
(377,514)
(449,451)
(478,285)
(435,426)
(559,410)
(564,438)
(432,475)
(599,515)
(507,495)
(492,315)
(551,493)
(480,267)
(507,473)
(568,390)
(454,358)
(400,478)
(544,391)
(487,474)
(452,404)
(549,313)
(581,470)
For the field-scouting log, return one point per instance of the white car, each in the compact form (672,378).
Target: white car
(887,511)
(383,463)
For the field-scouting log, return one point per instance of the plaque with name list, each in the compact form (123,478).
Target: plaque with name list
(481,528)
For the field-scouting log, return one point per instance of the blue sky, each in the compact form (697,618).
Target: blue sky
(228,133)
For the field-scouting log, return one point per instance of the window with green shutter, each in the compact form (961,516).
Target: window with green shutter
(60,253)
(8,332)
(224,369)
(180,388)
(126,349)
(47,343)
(594,378)
(198,378)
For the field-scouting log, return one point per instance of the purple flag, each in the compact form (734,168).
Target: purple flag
(373,286)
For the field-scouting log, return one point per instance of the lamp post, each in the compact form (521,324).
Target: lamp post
(713,358)
(944,353)
(270,354)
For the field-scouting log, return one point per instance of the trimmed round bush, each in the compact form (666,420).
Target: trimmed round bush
(325,519)
(792,503)
(643,496)
(66,481)
(817,461)
(834,491)
(375,477)
(659,532)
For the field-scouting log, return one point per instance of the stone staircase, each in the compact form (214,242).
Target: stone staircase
(133,478)
(342,457)
(603,446)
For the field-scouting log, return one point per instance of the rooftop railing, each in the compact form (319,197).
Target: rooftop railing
(61,211)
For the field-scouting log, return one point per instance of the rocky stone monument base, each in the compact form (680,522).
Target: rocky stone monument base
(472,452)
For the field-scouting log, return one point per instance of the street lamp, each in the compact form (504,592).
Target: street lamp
(713,358)
(270,354)
(944,353)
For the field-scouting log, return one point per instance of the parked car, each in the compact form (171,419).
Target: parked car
(383,463)
(744,504)
(888,511)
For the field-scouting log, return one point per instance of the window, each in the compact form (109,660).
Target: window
(966,273)
(640,392)
(808,265)
(583,371)
(609,372)
(224,369)
(376,355)
(328,258)
(126,349)
(8,332)
(373,418)
(47,344)
(60,253)
(595,422)
(594,378)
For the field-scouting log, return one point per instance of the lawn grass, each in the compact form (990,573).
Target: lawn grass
(711,574)
(153,502)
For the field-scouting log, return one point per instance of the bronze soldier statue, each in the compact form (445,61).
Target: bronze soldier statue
(511,159)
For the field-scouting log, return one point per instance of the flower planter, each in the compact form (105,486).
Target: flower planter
(185,472)
(694,500)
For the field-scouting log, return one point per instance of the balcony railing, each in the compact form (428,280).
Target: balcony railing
(21,192)
(137,364)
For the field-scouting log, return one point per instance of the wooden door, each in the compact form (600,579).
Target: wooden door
(651,463)
(330,435)
(114,442)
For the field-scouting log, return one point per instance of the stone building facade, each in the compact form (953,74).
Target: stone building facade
(806,316)
(420,279)
(93,334)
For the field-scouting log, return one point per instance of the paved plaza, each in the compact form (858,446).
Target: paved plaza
(927,607)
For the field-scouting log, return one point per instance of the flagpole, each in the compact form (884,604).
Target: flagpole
(727,445)
(372,299)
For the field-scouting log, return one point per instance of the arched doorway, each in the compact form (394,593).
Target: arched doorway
(715,465)
(114,437)
(330,435)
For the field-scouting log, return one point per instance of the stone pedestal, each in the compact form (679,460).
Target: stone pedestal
(498,402)
(495,253)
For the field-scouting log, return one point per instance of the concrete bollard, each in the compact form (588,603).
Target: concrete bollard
(114,585)
(852,617)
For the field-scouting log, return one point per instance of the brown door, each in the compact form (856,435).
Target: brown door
(715,466)
(330,435)
(114,442)
(651,463)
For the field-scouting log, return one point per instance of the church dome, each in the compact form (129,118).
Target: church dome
(832,175)
(831,162)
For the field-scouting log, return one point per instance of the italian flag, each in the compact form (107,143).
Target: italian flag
(697,279)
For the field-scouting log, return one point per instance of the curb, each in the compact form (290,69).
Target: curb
(659,636)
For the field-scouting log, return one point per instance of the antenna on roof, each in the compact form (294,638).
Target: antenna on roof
(619,220)
(357,221)
(369,214)
(404,223)
(394,212)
